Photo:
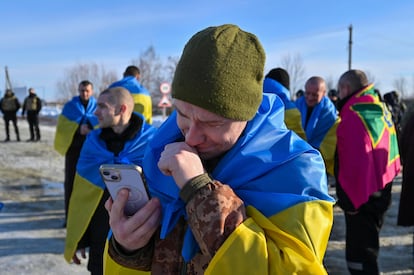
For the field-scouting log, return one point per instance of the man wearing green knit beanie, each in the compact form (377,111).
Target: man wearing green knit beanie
(221,70)
(233,190)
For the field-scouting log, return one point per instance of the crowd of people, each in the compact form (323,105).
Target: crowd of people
(237,174)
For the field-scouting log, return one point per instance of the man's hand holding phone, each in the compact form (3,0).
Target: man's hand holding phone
(126,176)
(135,231)
(133,217)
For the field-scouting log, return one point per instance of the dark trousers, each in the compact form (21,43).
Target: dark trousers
(33,120)
(13,118)
(95,237)
(71,160)
(362,233)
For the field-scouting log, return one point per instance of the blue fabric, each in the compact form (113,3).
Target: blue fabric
(74,111)
(94,153)
(131,84)
(269,167)
(274,87)
(321,120)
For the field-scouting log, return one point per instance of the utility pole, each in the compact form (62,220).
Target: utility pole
(350,48)
(8,82)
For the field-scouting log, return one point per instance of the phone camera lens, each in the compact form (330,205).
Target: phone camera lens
(114,177)
(106,173)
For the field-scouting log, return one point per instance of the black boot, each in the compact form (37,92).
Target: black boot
(7,134)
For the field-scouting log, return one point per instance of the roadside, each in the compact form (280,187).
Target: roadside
(31,188)
(32,237)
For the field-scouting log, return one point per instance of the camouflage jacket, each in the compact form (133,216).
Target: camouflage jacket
(214,212)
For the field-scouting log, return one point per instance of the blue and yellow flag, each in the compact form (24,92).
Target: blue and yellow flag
(88,185)
(321,128)
(73,115)
(293,119)
(282,181)
(142,97)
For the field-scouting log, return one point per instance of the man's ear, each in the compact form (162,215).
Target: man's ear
(123,108)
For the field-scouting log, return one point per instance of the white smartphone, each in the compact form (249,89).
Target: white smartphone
(118,176)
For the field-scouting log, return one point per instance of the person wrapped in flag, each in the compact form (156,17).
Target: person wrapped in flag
(319,119)
(74,123)
(368,160)
(277,81)
(142,97)
(233,190)
(122,137)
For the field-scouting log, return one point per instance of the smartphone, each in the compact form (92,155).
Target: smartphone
(129,176)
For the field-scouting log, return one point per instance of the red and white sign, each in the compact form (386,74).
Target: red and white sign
(165,88)
(164,102)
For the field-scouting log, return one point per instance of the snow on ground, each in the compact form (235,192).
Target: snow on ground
(32,237)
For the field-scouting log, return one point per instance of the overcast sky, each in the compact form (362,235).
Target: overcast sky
(40,39)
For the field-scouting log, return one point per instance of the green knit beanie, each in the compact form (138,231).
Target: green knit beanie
(221,70)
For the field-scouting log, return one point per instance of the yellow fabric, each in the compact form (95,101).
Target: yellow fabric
(65,130)
(328,147)
(293,121)
(83,203)
(113,268)
(279,244)
(143,105)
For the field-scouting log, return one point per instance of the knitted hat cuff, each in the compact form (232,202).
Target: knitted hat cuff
(221,70)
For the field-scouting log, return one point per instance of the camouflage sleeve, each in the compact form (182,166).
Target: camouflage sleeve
(214,212)
(140,259)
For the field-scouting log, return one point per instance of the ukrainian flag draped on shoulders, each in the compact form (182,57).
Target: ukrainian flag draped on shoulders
(88,185)
(73,115)
(293,118)
(283,183)
(374,142)
(321,128)
(142,97)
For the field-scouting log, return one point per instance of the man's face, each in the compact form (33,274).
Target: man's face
(85,92)
(108,114)
(210,134)
(314,93)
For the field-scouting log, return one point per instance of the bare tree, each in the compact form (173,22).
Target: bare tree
(294,66)
(330,83)
(154,72)
(98,75)
(400,84)
(170,67)
(150,66)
